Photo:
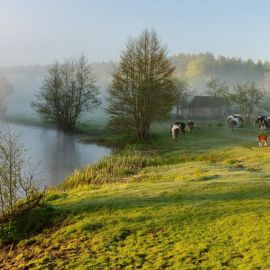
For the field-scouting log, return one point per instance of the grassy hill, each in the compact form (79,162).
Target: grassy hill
(204,205)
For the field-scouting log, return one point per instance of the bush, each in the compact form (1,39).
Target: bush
(23,225)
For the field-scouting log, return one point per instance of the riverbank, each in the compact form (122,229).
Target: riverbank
(89,131)
(205,205)
(28,121)
(56,154)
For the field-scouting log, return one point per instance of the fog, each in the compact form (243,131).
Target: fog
(197,69)
(25,82)
(34,34)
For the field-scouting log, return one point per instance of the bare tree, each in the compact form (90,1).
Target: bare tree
(16,172)
(67,91)
(142,87)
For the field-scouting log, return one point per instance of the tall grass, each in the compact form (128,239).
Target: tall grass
(110,169)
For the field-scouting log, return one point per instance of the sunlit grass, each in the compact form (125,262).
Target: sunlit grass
(114,168)
(204,205)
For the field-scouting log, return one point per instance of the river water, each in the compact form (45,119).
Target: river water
(59,154)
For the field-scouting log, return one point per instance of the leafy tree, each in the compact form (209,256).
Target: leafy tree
(198,68)
(265,105)
(216,88)
(180,90)
(67,91)
(247,96)
(142,86)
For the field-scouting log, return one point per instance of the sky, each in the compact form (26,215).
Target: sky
(43,31)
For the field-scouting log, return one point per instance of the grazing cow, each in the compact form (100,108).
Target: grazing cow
(182,126)
(190,125)
(263,122)
(175,130)
(262,139)
(234,120)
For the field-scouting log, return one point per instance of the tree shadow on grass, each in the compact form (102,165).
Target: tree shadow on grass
(200,202)
(26,225)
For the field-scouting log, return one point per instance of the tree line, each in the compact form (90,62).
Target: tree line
(199,68)
(145,86)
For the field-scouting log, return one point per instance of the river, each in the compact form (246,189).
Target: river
(59,154)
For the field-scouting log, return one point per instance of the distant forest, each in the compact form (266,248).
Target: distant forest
(197,69)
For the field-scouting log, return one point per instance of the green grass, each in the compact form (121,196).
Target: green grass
(204,205)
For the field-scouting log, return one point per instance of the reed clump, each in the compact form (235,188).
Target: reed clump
(111,169)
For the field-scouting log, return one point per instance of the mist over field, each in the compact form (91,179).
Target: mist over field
(197,69)
(27,80)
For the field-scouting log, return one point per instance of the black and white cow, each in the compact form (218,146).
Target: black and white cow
(234,120)
(177,128)
(182,126)
(263,122)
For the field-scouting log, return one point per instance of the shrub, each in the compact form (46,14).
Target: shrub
(21,225)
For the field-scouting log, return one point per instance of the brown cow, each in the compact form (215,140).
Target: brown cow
(190,125)
(262,139)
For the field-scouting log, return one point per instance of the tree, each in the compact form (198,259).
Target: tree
(142,86)
(180,89)
(265,105)
(5,91)
(216,88)
(200,66)
(68,90)
(16,173)
(247,96)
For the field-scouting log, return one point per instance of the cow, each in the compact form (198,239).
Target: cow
(182,126)
(262,139)
(263,122)
(190,125)
(234,120)
(175,130)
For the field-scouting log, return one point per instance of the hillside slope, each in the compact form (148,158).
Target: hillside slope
(207,207)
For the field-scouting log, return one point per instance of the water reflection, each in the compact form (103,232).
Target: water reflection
(59,154)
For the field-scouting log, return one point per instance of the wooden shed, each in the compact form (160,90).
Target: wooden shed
(206,107)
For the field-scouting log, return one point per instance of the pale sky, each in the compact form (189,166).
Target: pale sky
(42,31)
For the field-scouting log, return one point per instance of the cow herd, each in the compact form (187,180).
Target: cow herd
(233,120)
(262,121)
(237,120)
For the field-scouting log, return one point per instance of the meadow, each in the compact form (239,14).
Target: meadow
(200,202)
